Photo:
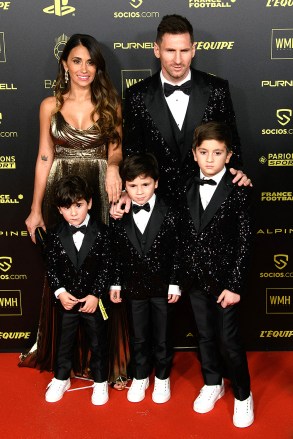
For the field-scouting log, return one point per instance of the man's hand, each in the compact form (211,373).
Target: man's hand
(240,178)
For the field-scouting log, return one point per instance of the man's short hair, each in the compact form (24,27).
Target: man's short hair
(213,131)
(174,24)
(71,189)
(144,164)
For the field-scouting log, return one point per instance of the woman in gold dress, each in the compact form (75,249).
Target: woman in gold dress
(80,133)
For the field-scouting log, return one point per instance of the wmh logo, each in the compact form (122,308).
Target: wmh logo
(282,44)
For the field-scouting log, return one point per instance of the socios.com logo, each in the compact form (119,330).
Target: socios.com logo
(5,263)
(59,8)
(281,261)
(284,116)
(136,3)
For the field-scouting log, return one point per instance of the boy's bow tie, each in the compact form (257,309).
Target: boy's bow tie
(169,88)
(81,229)
(202,181)
(136,208)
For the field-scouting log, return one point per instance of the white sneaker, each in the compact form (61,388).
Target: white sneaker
(161,391)
(208,397)
(100,393)
(136,393)
(56,389)
(243,412)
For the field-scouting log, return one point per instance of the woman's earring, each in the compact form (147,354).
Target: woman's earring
(66,76)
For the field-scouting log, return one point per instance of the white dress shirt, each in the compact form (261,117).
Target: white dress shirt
(177,101)
(206,191)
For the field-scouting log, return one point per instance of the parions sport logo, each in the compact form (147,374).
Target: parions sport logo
(280,159)
(136,12)
(211,3)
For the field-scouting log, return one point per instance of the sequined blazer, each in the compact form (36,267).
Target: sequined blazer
(148,127)
(80,273)
(215,245)
(146,273)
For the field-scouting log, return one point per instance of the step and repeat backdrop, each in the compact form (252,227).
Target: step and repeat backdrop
(248,42)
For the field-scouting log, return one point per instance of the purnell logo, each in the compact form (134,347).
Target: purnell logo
(59,8)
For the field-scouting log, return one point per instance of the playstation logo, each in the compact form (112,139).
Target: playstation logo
(59,8)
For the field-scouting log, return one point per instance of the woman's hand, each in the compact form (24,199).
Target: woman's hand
(113,183)
(33,221)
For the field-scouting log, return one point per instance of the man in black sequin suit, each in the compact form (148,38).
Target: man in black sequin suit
(215,238)
(164,124)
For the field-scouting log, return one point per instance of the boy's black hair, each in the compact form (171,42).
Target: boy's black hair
(174,24)
(71,189)
(213,131)
(144,164)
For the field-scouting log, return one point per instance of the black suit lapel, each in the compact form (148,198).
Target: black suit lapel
(155,222)
(198,100)
(158,108)
(88,240)
(129,225)
(67,242)
(193,201)
(223,190)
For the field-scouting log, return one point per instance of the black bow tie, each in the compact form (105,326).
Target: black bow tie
(136,208)
(169,88)
(202,181)
(81,229)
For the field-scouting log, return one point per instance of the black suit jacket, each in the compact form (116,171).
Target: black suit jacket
(147,126)
(84,272)
(149,273)
(216,245)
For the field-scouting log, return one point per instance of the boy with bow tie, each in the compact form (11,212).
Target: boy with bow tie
(77,254)
(215,238)
(145,242)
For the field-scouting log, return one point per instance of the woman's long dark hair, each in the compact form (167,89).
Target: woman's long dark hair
(104,95)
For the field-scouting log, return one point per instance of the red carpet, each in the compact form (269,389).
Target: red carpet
(26,415)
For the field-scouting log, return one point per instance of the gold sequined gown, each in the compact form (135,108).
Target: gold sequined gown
(83,153)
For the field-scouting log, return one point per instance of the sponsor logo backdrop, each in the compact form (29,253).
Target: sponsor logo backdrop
(248,42)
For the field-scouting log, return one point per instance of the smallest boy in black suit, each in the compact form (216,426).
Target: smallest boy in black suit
(215,237)
(145,242)
(78,259)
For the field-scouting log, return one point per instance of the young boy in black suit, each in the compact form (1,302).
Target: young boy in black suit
(77,254)
(215,238)
(145,242)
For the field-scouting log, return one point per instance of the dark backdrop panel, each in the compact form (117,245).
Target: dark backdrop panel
(247,42)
